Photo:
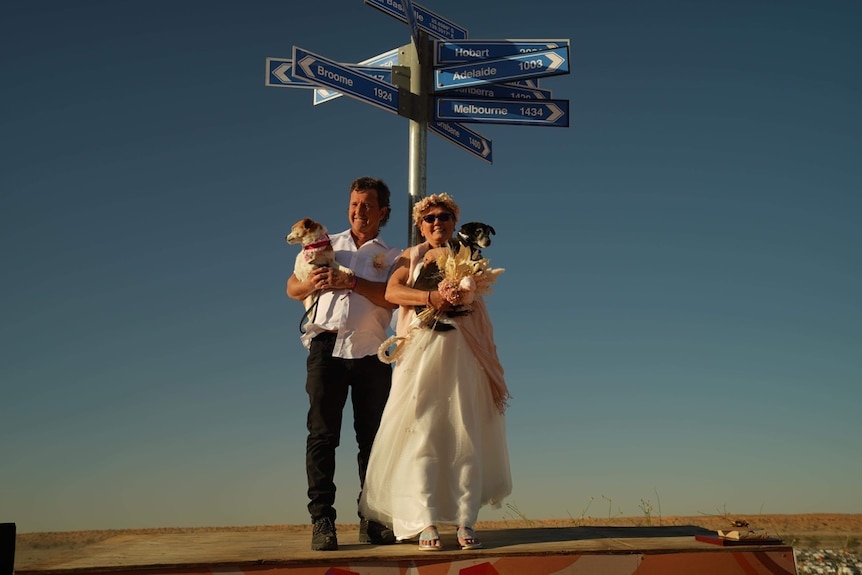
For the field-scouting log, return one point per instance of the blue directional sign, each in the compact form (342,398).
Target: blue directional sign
(278,74)
(382,74)
(426,20)
(502,91)
(410,15)
(385,60)
(463,137)
(534,83)
(280,70)
(329,74)
(529,113)
(532,65)
(456,51)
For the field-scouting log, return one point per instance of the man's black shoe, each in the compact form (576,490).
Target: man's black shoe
(323,537)
(376,533)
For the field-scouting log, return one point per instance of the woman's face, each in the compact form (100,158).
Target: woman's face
(437,225)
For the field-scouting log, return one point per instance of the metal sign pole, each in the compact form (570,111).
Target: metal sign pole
(420,70)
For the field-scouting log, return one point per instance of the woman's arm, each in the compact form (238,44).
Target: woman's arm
(398,292)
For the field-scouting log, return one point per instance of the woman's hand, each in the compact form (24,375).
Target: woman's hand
(435,300)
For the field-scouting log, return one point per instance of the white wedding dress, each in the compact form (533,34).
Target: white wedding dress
(440,453)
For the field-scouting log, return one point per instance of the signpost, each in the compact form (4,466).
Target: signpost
(464,138)
(279,74)
(385,60)
(531,113)
(531,65)
(458,51)
(323,72)
(525,83)
(410,16)
(439,85)
(504,91)
(426,20)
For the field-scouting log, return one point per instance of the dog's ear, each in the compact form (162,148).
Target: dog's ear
(307,223)
(491,228)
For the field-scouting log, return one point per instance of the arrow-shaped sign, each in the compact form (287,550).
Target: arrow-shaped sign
(534,83)
(463,137)
(385,60)
(455,51)
(410,14)
(529,113)
(330,74)
(434,24)
(278,74)
(502,91)
(382,74)
(280,70)
(532,65)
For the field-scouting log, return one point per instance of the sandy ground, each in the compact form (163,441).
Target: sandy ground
(816,530)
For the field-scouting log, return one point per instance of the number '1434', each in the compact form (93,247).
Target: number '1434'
(532,112)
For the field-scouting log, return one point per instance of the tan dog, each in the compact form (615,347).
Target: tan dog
(316,252)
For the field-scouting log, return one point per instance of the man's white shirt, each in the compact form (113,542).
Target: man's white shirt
(362,326)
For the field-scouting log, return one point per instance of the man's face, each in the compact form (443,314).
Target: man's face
(365,213)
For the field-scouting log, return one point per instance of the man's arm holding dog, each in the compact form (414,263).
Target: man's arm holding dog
(300,289)
(329,278)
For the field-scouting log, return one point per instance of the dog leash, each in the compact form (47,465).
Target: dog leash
(311,309)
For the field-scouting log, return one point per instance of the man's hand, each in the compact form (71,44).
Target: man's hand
(330,278)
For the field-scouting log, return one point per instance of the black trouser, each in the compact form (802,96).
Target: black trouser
(327,384)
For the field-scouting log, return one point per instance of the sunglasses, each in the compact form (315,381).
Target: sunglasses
(431,218)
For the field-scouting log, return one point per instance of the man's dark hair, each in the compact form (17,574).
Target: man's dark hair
(366,183)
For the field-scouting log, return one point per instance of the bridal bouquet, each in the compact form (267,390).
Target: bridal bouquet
(462,280)
(459,280)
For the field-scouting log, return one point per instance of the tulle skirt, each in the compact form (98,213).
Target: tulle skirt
(440,453)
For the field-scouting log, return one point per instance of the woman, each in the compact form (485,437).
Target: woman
(440,453)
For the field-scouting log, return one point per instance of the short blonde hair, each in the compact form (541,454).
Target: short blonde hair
(443,200)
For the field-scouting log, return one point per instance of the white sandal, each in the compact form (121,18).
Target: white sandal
(467,538)
(429,539)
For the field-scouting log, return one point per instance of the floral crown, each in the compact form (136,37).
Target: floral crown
(443,199)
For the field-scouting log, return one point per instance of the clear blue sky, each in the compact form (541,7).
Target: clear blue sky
(679,319)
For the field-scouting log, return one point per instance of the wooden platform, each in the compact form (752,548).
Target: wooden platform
(531,551)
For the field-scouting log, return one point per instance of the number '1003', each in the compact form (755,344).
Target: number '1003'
(531,65)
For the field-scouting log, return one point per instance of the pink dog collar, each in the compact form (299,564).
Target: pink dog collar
(318,244)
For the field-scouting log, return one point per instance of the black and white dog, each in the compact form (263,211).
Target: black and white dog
(475,235)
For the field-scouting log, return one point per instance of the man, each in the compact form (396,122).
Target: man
(343,336)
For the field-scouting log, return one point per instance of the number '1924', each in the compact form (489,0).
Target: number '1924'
(382,94)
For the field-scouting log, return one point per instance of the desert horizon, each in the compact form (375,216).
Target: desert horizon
(809,530)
